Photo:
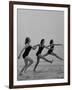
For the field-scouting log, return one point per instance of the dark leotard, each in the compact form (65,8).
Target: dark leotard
(51,49)
(39,50)
(26,52)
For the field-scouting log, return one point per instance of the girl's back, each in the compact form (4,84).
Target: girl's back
(27,50)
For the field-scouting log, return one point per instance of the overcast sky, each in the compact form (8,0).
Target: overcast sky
(38,24)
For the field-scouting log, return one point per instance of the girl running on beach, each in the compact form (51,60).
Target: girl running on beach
(28,61)
(51,49)
(38,54)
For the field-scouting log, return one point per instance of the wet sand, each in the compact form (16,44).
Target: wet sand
(44,71)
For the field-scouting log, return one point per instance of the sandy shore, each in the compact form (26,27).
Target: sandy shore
(44,71)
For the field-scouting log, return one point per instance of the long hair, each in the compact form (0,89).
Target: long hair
(27,40)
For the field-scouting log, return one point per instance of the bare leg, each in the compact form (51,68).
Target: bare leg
(56,56)
(38,59)
(21,70)
(40,56)
(45,54)
(30,62)
(26,63)
(28,59)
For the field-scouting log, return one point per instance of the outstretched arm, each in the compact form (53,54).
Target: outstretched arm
(58,44)
(21,53)
(47,47)
(55,45)
(35,46)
